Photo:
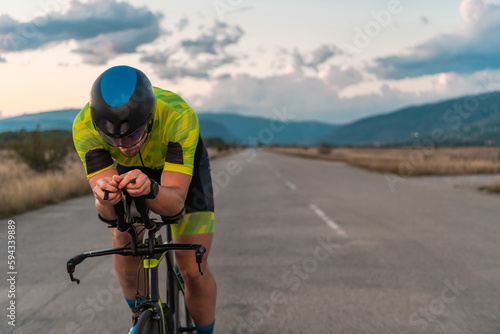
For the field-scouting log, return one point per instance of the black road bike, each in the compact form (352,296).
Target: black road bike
(156,317)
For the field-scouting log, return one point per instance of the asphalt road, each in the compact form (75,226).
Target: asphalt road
(301,246)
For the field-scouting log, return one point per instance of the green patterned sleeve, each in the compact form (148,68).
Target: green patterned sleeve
(182,138)
(95,157)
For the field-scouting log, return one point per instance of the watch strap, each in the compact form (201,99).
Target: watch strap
(152,192)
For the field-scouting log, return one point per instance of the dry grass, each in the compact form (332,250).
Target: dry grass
(23,190)
(494,188)
(408,161)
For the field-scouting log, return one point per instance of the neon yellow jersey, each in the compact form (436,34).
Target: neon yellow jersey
(170,146)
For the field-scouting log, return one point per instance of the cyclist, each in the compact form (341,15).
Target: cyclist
(132,131)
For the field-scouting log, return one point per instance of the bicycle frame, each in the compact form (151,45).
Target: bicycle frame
(150,251)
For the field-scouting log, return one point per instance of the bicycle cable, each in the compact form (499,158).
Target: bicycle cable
(138,273)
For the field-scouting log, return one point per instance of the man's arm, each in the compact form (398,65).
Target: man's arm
(172,193)
(106,180)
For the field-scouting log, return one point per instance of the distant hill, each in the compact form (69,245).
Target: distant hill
(60,119)
(211,129)
(231,128)
(269,131)
(469,120)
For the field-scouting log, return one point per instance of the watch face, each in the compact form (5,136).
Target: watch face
(156,189)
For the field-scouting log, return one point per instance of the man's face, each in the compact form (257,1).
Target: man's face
(129,145)
(132,151)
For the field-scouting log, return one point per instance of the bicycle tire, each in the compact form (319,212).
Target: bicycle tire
(182,318)
(147,324)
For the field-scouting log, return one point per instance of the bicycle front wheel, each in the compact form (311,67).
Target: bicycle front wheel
(147,324)
(183,323)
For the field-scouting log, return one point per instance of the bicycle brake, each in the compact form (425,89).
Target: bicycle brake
(71,269)
(71,265)
(199,259)
(74,279)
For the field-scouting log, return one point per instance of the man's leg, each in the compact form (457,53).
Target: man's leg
(201,290)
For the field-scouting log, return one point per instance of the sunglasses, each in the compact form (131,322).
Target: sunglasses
(125,142)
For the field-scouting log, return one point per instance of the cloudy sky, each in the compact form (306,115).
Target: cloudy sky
(322,60)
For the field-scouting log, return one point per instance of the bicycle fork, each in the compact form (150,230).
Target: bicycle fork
(151,298)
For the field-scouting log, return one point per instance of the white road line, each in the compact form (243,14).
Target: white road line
(278,175)
(290,185)
(327,220)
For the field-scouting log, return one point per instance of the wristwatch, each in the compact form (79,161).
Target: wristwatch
(155,188)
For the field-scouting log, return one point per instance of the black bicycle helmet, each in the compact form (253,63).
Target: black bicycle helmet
(121,101)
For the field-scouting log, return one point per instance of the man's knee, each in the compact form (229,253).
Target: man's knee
(190,272)
(120,239)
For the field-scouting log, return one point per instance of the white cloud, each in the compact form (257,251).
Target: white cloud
(305,60)
(340,77)
(182,24)
(318,98)
(250,95)
(305,97)
(100,49)
(472,10)
(215,42)
(474,49)
(102,29)
(199,57)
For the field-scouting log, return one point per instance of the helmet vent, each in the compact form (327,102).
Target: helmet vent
(124,128)
(109,126)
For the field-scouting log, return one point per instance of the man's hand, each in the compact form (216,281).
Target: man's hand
(110,184)
(141,187)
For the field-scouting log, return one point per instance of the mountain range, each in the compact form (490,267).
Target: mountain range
(468,120)
(231,128)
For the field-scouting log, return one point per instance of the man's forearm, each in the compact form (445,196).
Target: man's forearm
(168,202)
(106,212)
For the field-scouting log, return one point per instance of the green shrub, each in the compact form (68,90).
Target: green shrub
(42,151)
(325,148)
(218,143)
